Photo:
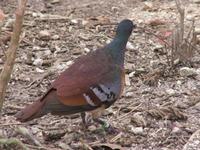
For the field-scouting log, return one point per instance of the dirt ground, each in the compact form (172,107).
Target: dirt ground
(158,111)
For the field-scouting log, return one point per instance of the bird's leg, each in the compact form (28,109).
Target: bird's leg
(96,118)
(102,122)
(97,113)
(83,117)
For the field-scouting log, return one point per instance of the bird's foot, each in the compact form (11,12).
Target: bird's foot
(106,126)
(87,121)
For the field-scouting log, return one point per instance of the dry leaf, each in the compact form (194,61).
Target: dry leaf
(152,78)
(2,15)
(5,37)
(138,120)
(168,112)
(164,37)
(53,135)
(99,20)
(156,22)
(108,146)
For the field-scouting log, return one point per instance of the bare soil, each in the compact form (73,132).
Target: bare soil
(158,109)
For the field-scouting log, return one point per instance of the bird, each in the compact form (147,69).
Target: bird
(91,84)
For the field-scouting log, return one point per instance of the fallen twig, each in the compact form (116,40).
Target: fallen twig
(13,142)
(48,17)
(86,146)
(127,114)
(11,124)
(36,147)
(25,132)
(38,81)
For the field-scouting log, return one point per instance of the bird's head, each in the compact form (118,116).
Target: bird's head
(125,28)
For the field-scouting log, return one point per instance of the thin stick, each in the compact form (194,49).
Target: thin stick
(11,52)
(181,11)
(127,114)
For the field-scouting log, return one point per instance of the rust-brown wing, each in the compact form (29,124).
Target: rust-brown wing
(85,72)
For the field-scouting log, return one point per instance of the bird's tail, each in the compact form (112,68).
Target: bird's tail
(30,112)
(34,110)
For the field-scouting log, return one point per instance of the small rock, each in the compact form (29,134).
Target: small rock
(139,71)
(55,37)
(154,63)
(129,67)
(55,1)
(58,49)
(196,1)
(34,14)
(178,82)
(35,129)
(131,74)
(176,61)
(47,53)
(74,21)
(61,66)
(36,48)
(68,138)
(27,79)
(176,130)
(70,28)
(127,80)
(147,6)
(9,23)
(109,111)
(196,59)
(138,120)
(129,94)
(190,10)
(186,72)
(44,34)
(115,9)
(64,146)
(146,90)
(84,22)
(69,63)
(64,65)
(137,130)
(85,37)
(108,41)
(86,49)
(158,47)
(170,91)
(38,62)
(198,71)
(129,46)
(39,70)
(197,30)
(190,17)
(92,128)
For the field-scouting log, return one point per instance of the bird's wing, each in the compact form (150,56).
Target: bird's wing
(94,77)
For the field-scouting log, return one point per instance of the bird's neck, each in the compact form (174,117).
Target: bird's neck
(116,49)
